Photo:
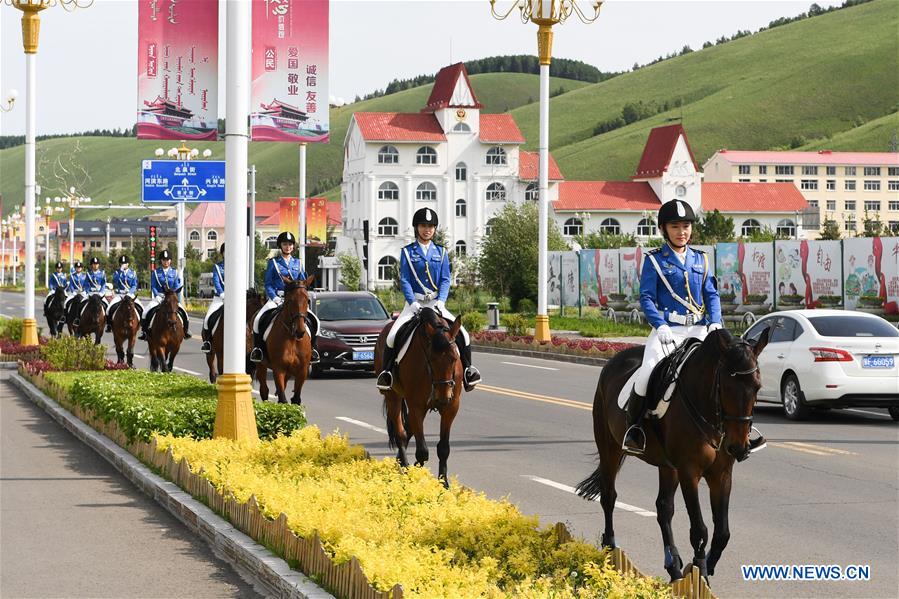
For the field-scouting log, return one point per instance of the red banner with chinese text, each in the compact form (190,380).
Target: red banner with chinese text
(289,216)
(64,251)
(316,221)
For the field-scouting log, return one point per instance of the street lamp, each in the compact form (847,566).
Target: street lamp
(545,14)
(31,25)
(73,201)
(10,100)
(15,217)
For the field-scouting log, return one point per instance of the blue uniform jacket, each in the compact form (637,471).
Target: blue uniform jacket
(58,279)
(277,268)
(218,278)
(95,281)
(163,279)
(433,271)
(657,302)
(124,281)
(77,283)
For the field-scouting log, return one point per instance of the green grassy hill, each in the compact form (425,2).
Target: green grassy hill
(114,163)
(873,136)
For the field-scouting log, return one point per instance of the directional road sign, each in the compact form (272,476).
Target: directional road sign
(172,181)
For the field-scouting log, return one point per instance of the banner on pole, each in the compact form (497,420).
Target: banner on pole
(570,286)
(177,64)
(316,221)
(289,100)
(870,271)
(64,251)
(289,215)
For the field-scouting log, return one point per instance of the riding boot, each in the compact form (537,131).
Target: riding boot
(207,345)
(635,439)
(185,321)
(258,342)
(316,358)
(109,319)
(471,376)
(385,377)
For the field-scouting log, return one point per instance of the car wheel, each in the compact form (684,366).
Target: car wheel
(791,396)
(894,412)
(316,371)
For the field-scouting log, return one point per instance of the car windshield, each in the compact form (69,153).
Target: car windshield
(848,326)
(349,308)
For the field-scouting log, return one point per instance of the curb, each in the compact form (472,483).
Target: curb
(527,353)
(268,573)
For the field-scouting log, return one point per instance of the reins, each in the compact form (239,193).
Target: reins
(429,354)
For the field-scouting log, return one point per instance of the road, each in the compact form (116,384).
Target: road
(824,492)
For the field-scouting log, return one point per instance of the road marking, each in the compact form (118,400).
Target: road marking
(882,415)
(370,427)
(529,366)
(563,487)
(561,401)
(186,371)
(811,448)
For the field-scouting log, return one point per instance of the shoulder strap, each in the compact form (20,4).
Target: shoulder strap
(415,274)
(220,271)
(662,276)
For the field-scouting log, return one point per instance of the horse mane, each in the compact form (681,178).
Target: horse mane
(439,341)
(721,345)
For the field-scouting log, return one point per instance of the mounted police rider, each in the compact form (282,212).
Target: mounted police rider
(57,280)
(76,288)
(283,267)
(425,282)
(218,281)
(675,309)
(124,282)
(94,282)
(163,278)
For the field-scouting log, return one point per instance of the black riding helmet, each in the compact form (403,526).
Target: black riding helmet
(165,255)
(95,260)
(78,264)
(674,211)
(424,216)
(123,259)
(286,237)
(58,265)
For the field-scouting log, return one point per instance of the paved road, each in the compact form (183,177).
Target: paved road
(825,492)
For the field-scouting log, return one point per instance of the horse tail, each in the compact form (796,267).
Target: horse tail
(590,487)
(391,429)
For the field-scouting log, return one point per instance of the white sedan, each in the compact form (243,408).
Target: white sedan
(828,359)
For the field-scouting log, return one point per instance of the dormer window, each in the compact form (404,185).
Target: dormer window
(388,155)
(496,156)
(461,128)
(426,155)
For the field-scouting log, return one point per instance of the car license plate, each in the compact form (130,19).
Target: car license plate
(363,356)
(878,362)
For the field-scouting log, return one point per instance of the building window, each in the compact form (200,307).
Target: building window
(850,205)
(388,191)
(126,245)
(849,171)
(749,227)
(461,128)
(212,236)
(831,171)
(783,169)
(532,192)
(831,185)
(742,180)
(573,226)
(388,155)
(646,227)
(386,268)
(850,223)
(893,226)
(488,228)
(763,169)
(893,171)
(872,185)
(786,228)
(426,155)
(461,249)
(872,171)
(461,172)
(744,169)
(813,204)
(849,184)
(496,156)
(210,253)
(809,184)
(894,205)
(272,242)
(763,180)
(195,236)
(460,208)
(112,244)
(610,226)
(831,205)
(893,185)
(783,180)
(809,170)
(96,244)
(426,191)
(496,192)
(872,205)
(388,227)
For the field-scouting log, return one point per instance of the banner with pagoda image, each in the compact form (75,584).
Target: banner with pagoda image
(177,63)
(289,98)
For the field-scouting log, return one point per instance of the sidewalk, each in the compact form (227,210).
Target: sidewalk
(72,526)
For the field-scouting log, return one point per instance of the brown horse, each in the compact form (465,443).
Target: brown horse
(216,358)
(92,320)
(125,326)
(166,333)
(705,428)
(288,347)
(428,378)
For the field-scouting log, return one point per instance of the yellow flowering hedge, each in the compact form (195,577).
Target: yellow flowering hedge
(404,527)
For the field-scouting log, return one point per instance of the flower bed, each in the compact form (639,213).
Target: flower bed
(598,348)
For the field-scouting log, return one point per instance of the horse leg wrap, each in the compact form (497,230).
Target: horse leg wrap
(608,540)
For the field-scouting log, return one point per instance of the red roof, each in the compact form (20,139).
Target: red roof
(606,195)
(445,84)
(820,157)
(335,217)
(500,128)
(658,150)
(207,215)
(752,197)
(266,209)
(527,167)
(397,126)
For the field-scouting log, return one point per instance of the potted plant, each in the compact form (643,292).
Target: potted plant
(756,299)
(873,304)
(831,301)
(617,301)
(728,298)
(790,299)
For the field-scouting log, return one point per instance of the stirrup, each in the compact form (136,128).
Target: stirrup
(385,381)
(256,355)
(142,336)
(316,358)
(206,347)
(76,322)
(759,442)
(470,378)
(638,445)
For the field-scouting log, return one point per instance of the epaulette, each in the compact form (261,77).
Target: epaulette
(409,246)
(655,251)
(697,250)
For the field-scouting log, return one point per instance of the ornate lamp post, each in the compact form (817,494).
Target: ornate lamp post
(73,201)
(10,100)
(545,14)
(15,217)
(31,25)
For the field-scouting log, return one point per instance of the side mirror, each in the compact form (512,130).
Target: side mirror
(394,316)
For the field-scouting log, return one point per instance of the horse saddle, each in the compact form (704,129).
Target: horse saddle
(86,301)
(662,380)
(403,337)
(215,318)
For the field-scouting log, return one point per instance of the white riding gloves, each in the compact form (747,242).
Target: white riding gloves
(714,326)
(441,306)
(416,307)
(665,334)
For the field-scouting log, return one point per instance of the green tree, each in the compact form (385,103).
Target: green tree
(350,271)
(872,226)
(508,257)
(712,228)
(766,233)
(830,230)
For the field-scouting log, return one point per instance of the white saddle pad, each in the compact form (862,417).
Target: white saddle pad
(402,352)
(662,407)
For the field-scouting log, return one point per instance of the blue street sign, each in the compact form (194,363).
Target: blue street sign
(172,181)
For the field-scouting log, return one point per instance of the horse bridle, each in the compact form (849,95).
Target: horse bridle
(429,355)
(720,416)
(291,324)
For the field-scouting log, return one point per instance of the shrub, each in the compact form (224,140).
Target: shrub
(474,321)
(11,328)
(516,324)
(73,353)
(527,306)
